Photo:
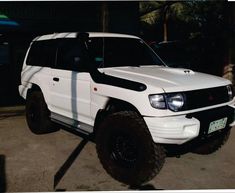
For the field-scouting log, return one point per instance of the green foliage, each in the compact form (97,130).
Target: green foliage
(185,19)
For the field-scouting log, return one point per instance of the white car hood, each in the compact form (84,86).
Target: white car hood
(168,79)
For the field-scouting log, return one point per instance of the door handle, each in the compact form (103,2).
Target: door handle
(56,79)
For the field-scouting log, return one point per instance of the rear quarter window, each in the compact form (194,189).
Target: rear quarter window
(42,53)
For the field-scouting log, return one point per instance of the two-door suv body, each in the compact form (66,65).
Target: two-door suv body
(115,88)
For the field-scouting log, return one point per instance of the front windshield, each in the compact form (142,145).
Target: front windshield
(118,52)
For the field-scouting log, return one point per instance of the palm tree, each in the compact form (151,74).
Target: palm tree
(161,10)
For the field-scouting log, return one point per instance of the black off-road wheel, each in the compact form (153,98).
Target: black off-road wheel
(126,149)
(212,144)
(37,114)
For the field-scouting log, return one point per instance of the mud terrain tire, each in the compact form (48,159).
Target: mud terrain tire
(37,114)
(213,144)
(126,149)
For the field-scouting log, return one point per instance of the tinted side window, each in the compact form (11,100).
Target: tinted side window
(42,53)
(128,52)
(114,51)
(95,46)
(72,55)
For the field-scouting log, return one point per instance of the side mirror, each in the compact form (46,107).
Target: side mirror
(83,36)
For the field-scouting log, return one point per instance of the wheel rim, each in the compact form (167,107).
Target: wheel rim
(124,150)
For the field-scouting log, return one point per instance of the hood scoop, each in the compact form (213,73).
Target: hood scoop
(181,71)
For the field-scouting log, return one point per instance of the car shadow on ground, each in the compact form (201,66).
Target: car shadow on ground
(74,155)
(67,164)
(3,185)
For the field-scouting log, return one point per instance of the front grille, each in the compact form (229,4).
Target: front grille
(206,97)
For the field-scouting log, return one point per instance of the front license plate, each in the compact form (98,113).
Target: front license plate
(217,125)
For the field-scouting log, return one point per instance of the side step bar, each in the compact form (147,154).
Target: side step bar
(72,124)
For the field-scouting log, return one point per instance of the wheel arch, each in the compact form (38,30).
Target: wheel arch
(34,87)
(113,105)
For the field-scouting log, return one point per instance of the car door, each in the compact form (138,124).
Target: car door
(70,82)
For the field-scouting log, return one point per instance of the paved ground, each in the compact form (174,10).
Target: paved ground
(30,162)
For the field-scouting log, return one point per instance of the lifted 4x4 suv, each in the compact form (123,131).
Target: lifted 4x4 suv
(115,87)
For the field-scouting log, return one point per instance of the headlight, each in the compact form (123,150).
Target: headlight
(175,102)
(230,92)
(157,101)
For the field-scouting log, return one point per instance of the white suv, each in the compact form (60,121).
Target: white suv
(116,88)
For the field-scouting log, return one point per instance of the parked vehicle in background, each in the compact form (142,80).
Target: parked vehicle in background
(116,88)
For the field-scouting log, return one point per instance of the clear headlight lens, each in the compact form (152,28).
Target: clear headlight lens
(157,101)
(175,101)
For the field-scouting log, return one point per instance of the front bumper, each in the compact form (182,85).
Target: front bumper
(180,129)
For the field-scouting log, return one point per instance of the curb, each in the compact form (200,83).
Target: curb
(12,110)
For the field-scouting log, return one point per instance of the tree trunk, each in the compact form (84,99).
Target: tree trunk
(165,18)
(229,66)
(104,18)
(165,30)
